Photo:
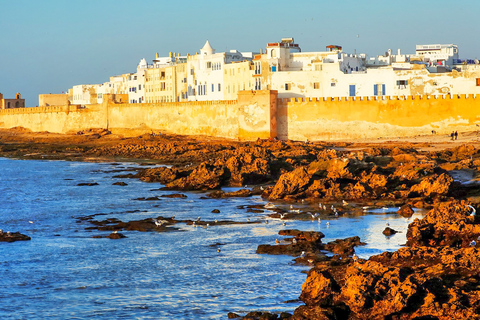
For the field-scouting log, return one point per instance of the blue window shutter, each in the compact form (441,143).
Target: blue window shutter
(383,89)
(375,89)
(352,90)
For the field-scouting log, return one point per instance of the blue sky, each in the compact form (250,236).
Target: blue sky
(48,46)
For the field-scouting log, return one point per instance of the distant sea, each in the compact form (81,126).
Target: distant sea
(65,273)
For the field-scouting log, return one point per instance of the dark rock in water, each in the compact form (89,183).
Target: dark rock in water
(147,199)
(219,194)
(232,315)
(389,231)
(12,236)
(116,235)
(215,211)
(87,184)
(406,211)
(257,315)
(120,183)
(174,195)
(344,247)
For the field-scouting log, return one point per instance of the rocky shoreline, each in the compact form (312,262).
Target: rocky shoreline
(435,276)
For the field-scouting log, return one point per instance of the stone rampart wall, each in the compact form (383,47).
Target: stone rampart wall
(259,114)
(374,117)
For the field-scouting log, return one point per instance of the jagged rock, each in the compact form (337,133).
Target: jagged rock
(344,247)
(406,211)
(389,231)
(87,184)
(291,183)
(116,235)
(204,177)
(448,224)
(174,195)
(120,183)
(433,185)
(434,277)
(12,236)
(218,194)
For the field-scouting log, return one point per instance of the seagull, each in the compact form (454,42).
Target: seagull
(336,214)
(295,210)
(294,241)
(355,258)
(303,254)
(282,215)
(218,250)
(216,221)
(261,188)
(473,243)
(345,203)
(30,221)
(115,231)
(248,219)
(310,261)
(473,210)
(313,215)
(384,208)
(159,223)
(320,205)
(319,220)
(269,206)
(266,221)
(194,224)
(328,223)
(198,219)
(276,241)
(284,224)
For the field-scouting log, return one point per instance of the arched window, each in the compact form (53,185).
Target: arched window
(273,53)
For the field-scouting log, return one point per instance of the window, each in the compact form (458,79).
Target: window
(191,71)
(351,90)
(139,87)
(219,87)
(333,84)
(274,68)
(316,85)
(402,84)
(209,65)
(288,86)
(213,87)
(478,82)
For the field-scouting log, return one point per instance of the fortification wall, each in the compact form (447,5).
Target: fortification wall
(251,116)
(61,119)
(374,117)
(212,118)
(259,114)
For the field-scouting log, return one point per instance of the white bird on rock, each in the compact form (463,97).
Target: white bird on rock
(473,210)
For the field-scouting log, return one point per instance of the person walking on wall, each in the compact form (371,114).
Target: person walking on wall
(452,135)
(456,135)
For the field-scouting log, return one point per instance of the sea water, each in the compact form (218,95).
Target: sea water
(66,273)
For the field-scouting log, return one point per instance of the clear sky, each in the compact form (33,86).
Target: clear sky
(49,46)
